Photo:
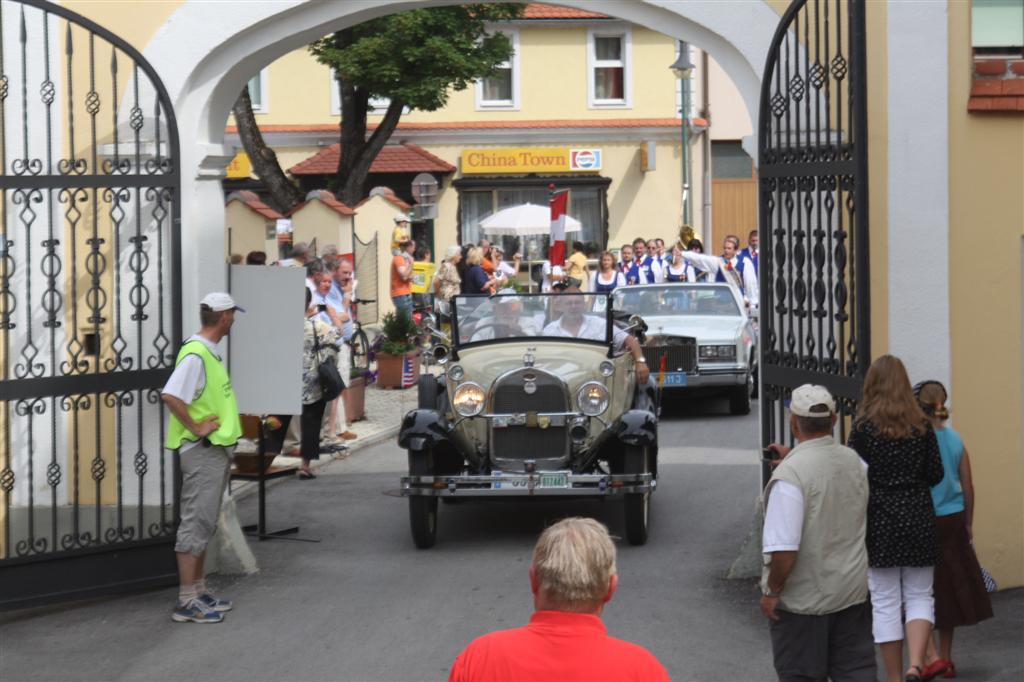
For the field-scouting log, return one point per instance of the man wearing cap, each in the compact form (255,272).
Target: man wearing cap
(814,582)
(204,428)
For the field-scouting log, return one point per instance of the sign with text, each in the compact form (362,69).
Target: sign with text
(240,166)
(530,160)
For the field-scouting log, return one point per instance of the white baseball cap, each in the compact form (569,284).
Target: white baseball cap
(811,400)
(218,301)
(401,218)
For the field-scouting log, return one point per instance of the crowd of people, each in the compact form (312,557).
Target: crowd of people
(482,268)
(328,327)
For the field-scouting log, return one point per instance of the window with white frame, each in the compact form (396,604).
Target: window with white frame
(609,66)
(501,91)
(378,105)
(258,93)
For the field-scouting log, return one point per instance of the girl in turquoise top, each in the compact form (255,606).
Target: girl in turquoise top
(960,595)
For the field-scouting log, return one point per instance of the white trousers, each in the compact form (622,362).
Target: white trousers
(896,594)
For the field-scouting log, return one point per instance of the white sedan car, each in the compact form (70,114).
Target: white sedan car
(700,338)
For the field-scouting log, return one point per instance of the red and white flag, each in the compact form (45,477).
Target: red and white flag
(559,203)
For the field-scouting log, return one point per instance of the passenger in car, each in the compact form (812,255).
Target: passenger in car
(507,321)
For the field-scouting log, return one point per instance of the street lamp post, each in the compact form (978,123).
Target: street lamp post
(683,69)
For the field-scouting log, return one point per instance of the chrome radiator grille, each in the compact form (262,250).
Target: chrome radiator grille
(529,442)
(680,356)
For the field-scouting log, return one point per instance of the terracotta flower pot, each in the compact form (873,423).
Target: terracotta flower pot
(389,370)
(355,399)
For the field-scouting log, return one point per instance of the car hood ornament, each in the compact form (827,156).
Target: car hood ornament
(529,358)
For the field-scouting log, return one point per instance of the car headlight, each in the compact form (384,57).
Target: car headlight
(468,399)
(455,372)
(720,353)
(607,369)
(592,398)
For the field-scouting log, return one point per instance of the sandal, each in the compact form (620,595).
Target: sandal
(305,475)
(914,677)
(935,669)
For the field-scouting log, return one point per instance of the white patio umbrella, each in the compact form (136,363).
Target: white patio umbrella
(522,220)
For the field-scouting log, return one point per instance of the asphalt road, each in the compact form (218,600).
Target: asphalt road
(364,604)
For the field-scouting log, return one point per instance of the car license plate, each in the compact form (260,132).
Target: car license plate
(675,379)
(558,479)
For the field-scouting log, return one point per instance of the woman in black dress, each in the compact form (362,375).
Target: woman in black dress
(893,436)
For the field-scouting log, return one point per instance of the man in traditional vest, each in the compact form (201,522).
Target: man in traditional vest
(204,428)
(728,268)
(815,577)
(751,251)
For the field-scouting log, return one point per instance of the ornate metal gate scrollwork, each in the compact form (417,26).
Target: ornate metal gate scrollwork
(89,308)
(812,168)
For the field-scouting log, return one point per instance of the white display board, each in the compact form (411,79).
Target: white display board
(265,344)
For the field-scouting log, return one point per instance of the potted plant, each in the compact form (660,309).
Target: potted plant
(398,360)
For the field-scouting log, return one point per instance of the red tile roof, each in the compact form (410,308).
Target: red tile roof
(251,200)
(395,158)
(539,11)
(327,199)
(483,125)
(388,195)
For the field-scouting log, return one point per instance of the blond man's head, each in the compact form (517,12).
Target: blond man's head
(574,566)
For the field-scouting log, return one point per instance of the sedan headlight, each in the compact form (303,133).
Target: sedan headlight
(468,399)
(592,398)
(718,353)
(455,373)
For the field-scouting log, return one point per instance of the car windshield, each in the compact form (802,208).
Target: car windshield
(513,316)
(677,299)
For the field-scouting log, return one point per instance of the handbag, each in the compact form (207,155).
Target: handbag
(331,383)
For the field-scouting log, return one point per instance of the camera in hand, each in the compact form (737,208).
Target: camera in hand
(321,308)
(770,454)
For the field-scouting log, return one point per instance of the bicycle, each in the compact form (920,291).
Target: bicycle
(359,343)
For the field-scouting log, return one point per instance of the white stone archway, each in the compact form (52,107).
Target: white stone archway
(208,50)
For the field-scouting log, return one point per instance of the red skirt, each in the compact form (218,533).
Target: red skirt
(960,595)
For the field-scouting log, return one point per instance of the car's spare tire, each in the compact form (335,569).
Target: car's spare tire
(427,391)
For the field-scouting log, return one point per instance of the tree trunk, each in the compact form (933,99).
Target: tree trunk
(264,161)
(352,177)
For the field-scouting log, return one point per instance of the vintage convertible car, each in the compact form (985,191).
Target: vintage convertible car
(524,410)
(700,338)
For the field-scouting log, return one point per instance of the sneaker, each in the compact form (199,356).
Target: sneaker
(347,435)
(195,611)
(216,603)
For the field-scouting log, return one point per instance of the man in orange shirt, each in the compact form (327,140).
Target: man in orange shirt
(401,277)
(572,577)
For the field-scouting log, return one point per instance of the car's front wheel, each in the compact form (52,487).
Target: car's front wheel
(636,460)
(422,508)
(739,398)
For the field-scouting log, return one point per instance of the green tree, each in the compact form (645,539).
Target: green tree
(414,59)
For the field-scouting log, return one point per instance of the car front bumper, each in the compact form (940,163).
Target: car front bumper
(528,485)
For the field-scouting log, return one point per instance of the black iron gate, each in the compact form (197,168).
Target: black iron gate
(812,169)
(89,309)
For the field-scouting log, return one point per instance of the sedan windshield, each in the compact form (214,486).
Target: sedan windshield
(507,316)
(677,299)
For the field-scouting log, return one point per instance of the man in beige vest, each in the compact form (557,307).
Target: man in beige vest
(814,582)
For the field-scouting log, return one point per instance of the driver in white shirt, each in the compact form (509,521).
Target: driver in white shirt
(575,324)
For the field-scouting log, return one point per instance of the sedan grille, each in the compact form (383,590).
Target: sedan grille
(680,355)
(529,442)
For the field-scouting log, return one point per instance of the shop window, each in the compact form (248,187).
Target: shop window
(258,93)
(730,162)
(609,63)
(501,91)
(586,204)
(997,26)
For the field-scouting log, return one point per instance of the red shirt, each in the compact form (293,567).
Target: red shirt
(556,645)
